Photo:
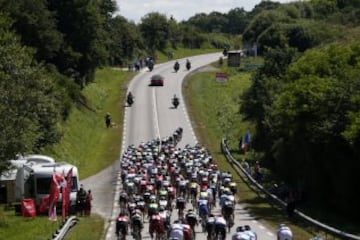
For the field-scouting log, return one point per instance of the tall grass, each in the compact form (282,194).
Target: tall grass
(16,227)
(88,228)
(86,142)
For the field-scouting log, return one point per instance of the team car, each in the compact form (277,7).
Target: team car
(157,80)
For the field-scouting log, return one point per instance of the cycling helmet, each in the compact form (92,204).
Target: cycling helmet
(247,227)
(282,225)
(240,229)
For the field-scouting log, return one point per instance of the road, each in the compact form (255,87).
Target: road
(152,116)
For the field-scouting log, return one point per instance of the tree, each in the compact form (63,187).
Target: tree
(312,119)
(125,41)
(83,25)
(36,25)
(155,31)
(261,22)
(237,20)
(175,34)
(29,107)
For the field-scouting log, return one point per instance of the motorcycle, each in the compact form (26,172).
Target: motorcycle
(151,66)
(188,65)
(175,102)
(176,66)
(130,100)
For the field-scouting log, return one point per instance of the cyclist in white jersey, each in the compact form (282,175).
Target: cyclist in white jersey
(284,233)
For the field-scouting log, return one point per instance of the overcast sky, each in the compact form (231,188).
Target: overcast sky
(134,10)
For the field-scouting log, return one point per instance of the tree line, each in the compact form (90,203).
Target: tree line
(304,100)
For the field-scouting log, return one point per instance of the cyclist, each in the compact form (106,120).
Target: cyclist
(165,215)
(193,190)
(284,233)
(122,224)
(191,220)
(240,234)
(153,207)
(228,212)
(136,222)
(210,226)
(176,231)
(220,227)
(180,205)
(123,199)
(203,208)
(252,235)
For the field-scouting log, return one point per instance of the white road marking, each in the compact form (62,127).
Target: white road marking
(155,112)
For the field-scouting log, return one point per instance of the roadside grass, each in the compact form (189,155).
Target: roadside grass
(161,56)
(88,228)
(16,227)
(213,109)
(86,142)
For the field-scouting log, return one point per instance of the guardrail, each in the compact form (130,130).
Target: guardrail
(328,229)
(64,229)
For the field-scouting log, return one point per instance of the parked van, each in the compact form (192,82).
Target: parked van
(33,181)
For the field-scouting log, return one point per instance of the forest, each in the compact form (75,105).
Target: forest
(304,100)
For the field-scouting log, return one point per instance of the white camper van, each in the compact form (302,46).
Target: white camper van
(33,180)
(8,177)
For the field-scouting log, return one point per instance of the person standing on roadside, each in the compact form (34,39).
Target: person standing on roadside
(108,120)
(80,200)
(88,200)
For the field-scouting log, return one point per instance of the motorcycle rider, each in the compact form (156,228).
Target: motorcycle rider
(188,64)
(175,101)
(176,66)
(130,98)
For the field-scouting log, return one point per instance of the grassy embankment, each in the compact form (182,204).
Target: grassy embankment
(213,109)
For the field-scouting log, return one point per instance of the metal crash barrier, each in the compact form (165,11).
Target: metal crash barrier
(248,178)
(64,229)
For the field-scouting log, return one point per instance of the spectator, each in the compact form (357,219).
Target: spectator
(257,172)
(88,200)
(80,200)
(246,166)
(240,146)
(290,205)
(108,120)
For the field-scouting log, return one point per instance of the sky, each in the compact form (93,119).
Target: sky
(134,10)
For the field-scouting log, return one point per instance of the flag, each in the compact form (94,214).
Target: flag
(245,142)
(66,194)
(53,197)
(57,181)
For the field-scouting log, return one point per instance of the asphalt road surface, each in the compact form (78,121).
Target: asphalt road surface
(152,116)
